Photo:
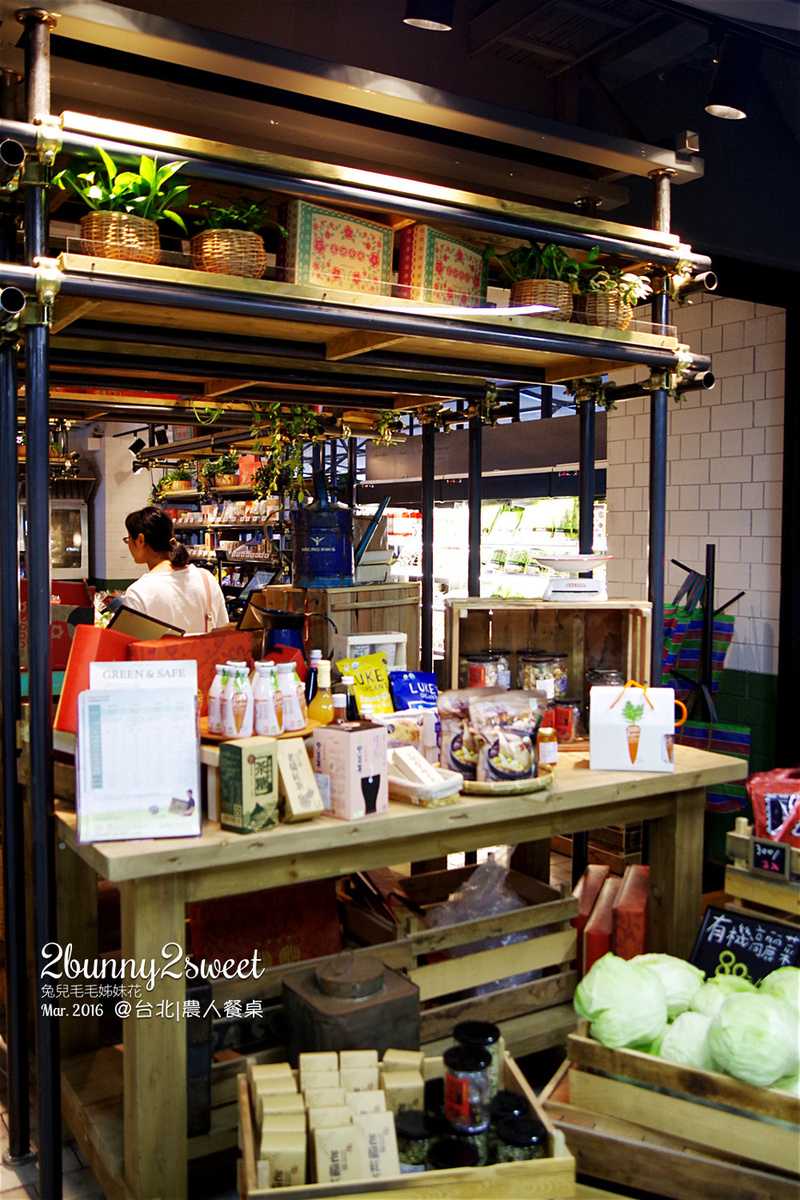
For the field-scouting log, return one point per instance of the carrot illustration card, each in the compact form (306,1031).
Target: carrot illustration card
(632,728)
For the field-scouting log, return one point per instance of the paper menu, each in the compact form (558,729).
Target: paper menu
(137,764)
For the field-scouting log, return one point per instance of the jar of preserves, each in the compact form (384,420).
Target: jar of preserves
(543,670)
(504,1104)
(489,668)
(546,747)
(415,1134)
(467,1089)
(519,1139)
(482,1036)
(599,677)
(567,720)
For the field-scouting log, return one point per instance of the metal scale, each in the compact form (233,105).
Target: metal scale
(573,587)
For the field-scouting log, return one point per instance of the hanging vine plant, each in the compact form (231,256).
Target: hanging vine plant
(280,433)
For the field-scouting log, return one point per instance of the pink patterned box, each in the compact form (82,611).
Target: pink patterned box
(435,269)
(334,250)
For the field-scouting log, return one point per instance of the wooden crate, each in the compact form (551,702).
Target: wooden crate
(611,634)
(551,1178)
(616,860)
(684,1133)
(533,1014)
(357,610)
(779,894)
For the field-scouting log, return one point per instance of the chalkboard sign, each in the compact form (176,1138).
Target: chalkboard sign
(772,859)
(735,943)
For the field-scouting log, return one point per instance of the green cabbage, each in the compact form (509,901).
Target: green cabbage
(686,1041)
(680,980)
(624,1003)
(785,984)
(713,994)
(788,1083)
(755,1038)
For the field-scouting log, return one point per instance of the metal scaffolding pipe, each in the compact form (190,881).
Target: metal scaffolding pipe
(37,25)
(345,316)
(428,440)
(475,495)
(634,391)
(227,171)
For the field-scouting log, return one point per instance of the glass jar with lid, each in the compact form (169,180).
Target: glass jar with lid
(415,1134)
(519,1139)
(451,1152)
(467,1088)
(544,670)
(482,1036)
(489,668)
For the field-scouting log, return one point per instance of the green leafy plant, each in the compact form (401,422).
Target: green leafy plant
(546,261)
(630,288)
(388,423)
(281,433)
(144,193)
(233,214)
(176,475)
(226,464)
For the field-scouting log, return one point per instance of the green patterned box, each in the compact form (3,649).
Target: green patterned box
(435,269)
(248,784)
(334,250)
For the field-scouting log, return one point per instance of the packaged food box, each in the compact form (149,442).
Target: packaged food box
(334,250)
(435,269)
(248,784)
(354,758)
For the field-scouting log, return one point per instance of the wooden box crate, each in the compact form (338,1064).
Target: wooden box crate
(353,611)
(685,1133)
(615,846)
(609,634)
(533,1014)
(551,1178)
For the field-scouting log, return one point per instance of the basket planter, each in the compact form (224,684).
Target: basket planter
(120,235)
(603,308)
(229,252)
(553,292)
(226,481)
(179,485)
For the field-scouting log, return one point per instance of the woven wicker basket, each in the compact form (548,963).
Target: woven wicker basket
(120,235)
(604,308)
(229,252)
(226,481)
(554,292)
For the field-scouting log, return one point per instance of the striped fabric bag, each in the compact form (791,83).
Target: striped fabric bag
(721,738)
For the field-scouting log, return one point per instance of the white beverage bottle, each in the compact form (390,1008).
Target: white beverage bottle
(215,699)
(293,716)
(266,719)
(238,703)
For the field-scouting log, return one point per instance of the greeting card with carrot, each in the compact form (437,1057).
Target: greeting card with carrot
(633,715)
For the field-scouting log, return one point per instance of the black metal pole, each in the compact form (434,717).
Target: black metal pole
(475,495)
(586,458)
(351,472)
(19,1124)
(707,656)
(426,642)
(40,689)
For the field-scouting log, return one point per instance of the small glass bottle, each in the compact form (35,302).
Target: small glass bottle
(352,707)
(546,746)
(238,702)
(339,709)
(214,700)
(292,717)
(312,675)
(320,707)
(482,1036)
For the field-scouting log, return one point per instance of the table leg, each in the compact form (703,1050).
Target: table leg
(153,915)
(676,875)
(76,899)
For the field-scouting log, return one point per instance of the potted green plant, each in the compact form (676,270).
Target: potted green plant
(609,295)
(177,480)
(228,241)
(543,274)
(125,207)
(223,470)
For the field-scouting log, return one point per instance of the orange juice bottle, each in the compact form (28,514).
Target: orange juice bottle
(321,706)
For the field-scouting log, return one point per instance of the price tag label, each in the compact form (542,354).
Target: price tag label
(770,859)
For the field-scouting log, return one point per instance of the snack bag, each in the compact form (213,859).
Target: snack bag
(505,732)
(413,689)
(370,681)
(775,796)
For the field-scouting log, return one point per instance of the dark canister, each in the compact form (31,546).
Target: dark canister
(415,1134)
(452,1152)
(520,1138)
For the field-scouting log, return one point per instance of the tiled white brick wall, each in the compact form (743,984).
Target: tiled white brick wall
(724,473)
(118,492)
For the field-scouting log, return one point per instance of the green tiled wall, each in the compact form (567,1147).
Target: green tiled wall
(744,698)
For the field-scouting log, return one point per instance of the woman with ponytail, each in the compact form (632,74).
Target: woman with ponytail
(173,590)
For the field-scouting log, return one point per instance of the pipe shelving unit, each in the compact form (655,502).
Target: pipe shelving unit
(170,322)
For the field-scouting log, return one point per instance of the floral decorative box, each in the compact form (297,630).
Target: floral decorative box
(334,250)
(435,269)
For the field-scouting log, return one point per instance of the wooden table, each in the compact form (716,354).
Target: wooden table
(158,878)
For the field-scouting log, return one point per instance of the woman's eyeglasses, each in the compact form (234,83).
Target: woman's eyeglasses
(126,540)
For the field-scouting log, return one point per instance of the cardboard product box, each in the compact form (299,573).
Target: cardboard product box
(354,758)
(435,269)
(248,784)
(334,250)
(207,649)
(299,795)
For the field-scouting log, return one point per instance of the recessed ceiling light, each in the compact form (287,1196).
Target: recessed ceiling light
(430,14)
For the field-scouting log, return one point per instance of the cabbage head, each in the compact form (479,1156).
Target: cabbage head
(686,1041)
(788,1083)
(713,994)
(680,980)
(755,1038)
(785,984)
(624,1003)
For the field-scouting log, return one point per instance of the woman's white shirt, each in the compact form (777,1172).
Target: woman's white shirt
(178,597)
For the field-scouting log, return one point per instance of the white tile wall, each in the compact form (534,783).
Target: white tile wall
(724,475)
(118,492)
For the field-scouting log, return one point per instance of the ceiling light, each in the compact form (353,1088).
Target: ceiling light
(430,14)
(729,94)
(162,437)
(136,446)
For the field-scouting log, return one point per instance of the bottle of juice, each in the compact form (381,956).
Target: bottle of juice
(265,719)
(546,746)
(321,706)
(293,716)
(238,703)
(214,700)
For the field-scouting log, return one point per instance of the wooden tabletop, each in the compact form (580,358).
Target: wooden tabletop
(580,799)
